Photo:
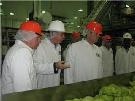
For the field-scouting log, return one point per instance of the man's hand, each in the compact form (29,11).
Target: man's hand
(61,65)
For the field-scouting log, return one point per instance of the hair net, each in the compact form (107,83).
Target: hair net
(25,35)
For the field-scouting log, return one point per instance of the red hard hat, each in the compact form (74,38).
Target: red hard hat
(31,26)
(95,27)
(106,38)
(75,35)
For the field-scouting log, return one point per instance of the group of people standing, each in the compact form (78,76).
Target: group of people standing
(80,55)
(33,63)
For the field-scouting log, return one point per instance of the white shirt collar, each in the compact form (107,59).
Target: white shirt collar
(105,48)
(86,42)
(50,43)
(24,45)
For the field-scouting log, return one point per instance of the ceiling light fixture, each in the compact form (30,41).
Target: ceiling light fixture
(11,13)
(43,12)
(72,23)
(80,10)
(127,6)
(0,4)
(27,18)
(75,17)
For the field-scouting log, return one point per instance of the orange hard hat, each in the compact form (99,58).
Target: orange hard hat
(95,27)
(31,26)
(75,35)
(106,38)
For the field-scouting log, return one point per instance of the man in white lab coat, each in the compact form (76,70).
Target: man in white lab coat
(107,56)
(18,73)
(48,55)
(125,56)
(84,57)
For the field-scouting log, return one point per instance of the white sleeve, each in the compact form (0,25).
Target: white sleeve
(64,53)
(113,62)
(68,73)
(116,61)
(100,64)
(21,65)
(41,67)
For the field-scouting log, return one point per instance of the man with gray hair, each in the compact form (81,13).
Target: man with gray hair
(48,55)
(18,73)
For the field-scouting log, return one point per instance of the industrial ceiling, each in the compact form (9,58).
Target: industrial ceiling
(67,11)
(62,10)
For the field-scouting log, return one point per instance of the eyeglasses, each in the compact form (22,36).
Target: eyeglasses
(39,34)
(97,34)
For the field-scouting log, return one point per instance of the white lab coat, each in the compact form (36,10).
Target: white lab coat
(85,62)
(125,61)
(44,57)
(65,51)
(107,61)
(18,73)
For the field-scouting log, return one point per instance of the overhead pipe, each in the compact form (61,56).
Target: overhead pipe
(36,10)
